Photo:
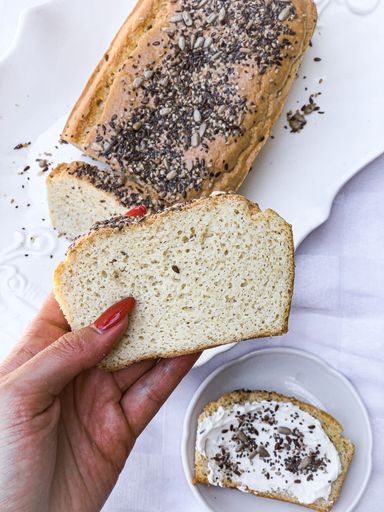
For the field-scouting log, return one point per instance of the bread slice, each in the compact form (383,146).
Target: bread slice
(207,273)
(185,97)
(332,428)
(80,194)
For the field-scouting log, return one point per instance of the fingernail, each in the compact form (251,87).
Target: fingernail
(113,315)
(138,211)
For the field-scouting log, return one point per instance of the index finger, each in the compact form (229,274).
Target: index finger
(144,398)
(47,327)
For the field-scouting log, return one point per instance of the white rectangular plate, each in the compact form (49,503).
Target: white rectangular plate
(56,47)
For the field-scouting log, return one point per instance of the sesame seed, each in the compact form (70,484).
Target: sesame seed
(137,82)
(222,14)
(207,42)
(211,18)
(199,42)
(195,140)
(284,14)
(202,129)
(165,111)
(171,175)
(176,18)
(187,18)
(196,115)
(169,30)
(181,43)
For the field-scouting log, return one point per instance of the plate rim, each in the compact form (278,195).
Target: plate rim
(324,210)
(19,27)
(186,431)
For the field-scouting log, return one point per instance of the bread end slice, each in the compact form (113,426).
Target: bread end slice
(207,273)
(80,194)
(75,204)
(330,425)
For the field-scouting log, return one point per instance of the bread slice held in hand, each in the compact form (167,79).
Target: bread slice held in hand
(206,273)
(272,446)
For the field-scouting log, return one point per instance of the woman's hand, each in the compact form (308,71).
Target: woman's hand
(67,427)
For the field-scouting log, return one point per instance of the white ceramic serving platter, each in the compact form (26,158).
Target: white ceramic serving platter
(43,71)
(293,373)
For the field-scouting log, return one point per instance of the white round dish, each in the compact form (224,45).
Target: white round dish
(292,373)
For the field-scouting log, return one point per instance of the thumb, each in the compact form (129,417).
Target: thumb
(54,367)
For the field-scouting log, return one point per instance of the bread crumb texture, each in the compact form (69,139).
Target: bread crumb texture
(212,272)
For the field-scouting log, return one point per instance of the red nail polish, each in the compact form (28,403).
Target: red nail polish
(113,315)
(138,211)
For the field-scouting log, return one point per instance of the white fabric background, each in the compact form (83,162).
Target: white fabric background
(337,314)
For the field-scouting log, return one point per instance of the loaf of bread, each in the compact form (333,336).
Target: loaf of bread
(188,92)
(273,446)
(206,273)
(80,194)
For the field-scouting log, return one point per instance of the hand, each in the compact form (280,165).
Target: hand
(67,427)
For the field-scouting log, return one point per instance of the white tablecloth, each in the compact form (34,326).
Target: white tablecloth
(337,314)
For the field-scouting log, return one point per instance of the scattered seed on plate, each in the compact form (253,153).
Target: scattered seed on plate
(22,145)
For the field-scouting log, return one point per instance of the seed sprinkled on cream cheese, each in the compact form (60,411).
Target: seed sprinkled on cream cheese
(269,446)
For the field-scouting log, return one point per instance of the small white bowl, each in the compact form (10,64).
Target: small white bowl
(292,373)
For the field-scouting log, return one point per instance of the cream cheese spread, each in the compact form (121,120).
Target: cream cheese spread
(269,447)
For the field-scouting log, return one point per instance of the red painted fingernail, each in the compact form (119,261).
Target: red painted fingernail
(138,211)
(113,315)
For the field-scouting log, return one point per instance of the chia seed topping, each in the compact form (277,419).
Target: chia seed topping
(191,97)
(128,194)
(268,446)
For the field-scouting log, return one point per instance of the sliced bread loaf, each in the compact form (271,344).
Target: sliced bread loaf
(206,273)
(188,92)
(273,446)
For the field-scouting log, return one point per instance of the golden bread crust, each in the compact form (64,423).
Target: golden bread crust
(108,93)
